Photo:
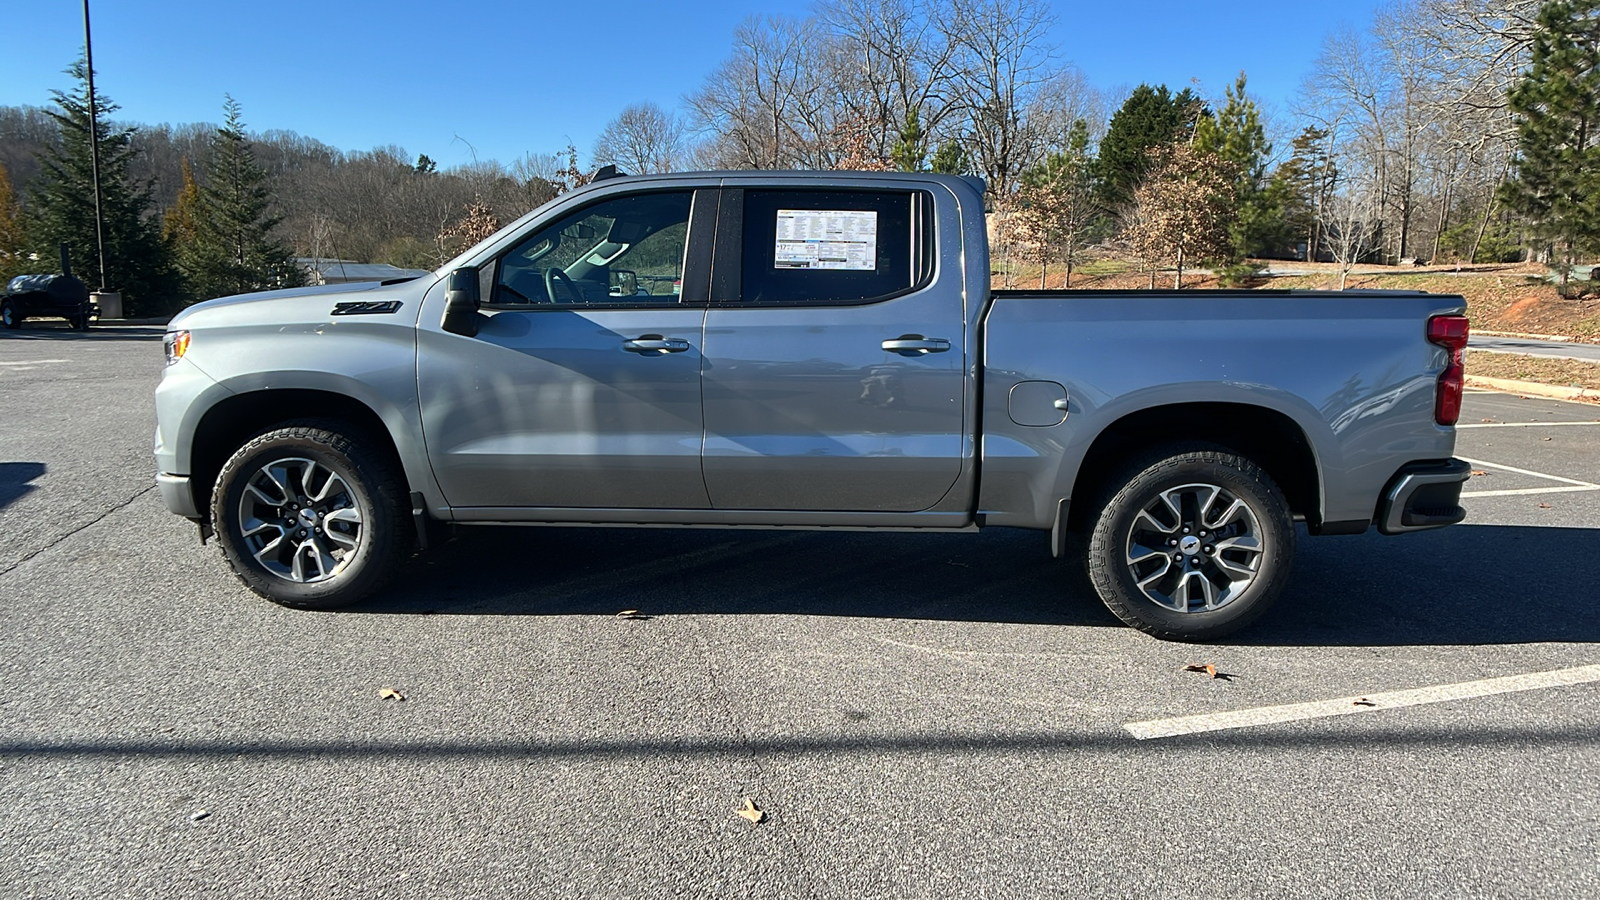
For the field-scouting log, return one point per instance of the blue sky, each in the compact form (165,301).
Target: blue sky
(499,79)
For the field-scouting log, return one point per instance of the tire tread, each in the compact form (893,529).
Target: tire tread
(378,477)
(1102,548)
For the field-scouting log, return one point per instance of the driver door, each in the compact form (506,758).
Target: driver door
(582,387)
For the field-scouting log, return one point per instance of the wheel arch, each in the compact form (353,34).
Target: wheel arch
(232,421)
(1267,437)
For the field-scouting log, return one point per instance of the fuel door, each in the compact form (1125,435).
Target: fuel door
(1038,404)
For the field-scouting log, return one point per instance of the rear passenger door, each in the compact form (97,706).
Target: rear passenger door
(834,354)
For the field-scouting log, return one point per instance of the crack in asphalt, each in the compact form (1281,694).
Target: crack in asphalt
(89,524)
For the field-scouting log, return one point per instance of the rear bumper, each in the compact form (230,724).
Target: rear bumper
(178,495)
(1422,496)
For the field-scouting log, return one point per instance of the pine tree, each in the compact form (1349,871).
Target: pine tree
(910,153)
(1151,117)
(1557,104)
(1236,136)
(13,244)
(235,251)
(1305,183)
(61,207)
(949,159)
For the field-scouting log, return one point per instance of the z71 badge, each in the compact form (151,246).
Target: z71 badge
(365,308)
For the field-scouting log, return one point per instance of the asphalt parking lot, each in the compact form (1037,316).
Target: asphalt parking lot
(918,715)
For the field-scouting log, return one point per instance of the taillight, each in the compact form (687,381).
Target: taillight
(1449,332)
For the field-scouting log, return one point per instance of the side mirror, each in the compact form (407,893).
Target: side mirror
(461,302)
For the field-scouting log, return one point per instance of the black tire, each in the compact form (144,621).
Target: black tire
(8,315)
(344,525)
(1148,508)
(79,322)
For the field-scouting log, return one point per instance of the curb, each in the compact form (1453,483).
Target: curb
(1557,338)
(1535,389)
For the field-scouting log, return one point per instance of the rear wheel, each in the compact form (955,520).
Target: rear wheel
(78,322)
(311,515)
(1193,542)
(8,315)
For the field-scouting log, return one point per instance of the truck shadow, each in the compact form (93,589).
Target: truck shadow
(15,478)
(1471,584)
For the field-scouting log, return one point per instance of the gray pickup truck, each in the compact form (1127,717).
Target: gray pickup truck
(806,350)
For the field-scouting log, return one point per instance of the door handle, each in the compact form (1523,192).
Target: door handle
(915,345)
(652,343)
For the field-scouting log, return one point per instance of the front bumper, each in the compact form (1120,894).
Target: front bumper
(178,495)
(1423,496)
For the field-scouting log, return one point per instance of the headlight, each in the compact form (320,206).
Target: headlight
(177,344)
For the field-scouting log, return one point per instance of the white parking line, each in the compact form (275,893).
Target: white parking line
(1524,492)
(1344,706)
(1526,424)
(31,362)
(1577,486)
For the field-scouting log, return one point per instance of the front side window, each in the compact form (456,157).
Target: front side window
(828,246)
(623,251)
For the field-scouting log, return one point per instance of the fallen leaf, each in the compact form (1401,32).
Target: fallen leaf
(390,694)
(200,814)
(1479,472)
(1544,506)
(1544,439)
(1209,669)
(1363,702)
(1488,420)
(751,812)
(631,614)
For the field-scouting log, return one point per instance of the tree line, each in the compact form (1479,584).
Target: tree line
(1448,129)
(199,211)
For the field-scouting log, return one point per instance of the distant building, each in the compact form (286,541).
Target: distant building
(346,271)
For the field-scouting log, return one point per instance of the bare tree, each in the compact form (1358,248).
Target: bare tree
(642,139)
(764,107)
(1056,203)
(1182,211)
(892,59)
(1350,223)
(1064,99)
(476,224)
(1003,60)
(1474,50)
(1410,108)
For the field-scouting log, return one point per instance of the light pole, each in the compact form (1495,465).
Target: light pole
(94,147)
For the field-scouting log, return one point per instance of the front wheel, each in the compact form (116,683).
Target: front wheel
(311,515)
(1194,542)
(8,315)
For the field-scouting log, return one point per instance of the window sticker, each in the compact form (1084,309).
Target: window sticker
(827,239)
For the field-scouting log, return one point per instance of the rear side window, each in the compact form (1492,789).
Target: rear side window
(830,246)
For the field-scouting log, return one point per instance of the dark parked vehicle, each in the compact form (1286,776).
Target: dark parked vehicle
(40,296)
